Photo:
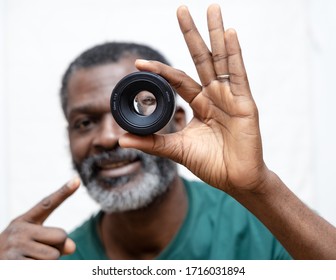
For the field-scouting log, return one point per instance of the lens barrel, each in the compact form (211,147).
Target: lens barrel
(132,115)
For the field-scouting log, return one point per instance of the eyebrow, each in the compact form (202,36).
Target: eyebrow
(84,109)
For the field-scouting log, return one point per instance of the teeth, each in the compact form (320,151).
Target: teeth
(115,164)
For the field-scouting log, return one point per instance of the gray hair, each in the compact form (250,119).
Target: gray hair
(110,52)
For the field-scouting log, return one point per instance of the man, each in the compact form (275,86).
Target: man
(148,211)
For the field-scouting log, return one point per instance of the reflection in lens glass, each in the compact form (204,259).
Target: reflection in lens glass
(144,103)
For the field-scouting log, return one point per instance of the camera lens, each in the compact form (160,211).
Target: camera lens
(142,103)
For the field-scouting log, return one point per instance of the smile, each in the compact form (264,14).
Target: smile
(119,168)
(114,165)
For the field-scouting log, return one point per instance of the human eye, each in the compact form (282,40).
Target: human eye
(148,101)
(83,124)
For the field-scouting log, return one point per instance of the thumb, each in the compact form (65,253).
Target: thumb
(163,145)
(69,247)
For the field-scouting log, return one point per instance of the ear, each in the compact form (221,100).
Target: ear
(179,118)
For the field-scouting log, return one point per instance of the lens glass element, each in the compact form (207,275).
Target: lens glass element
(144,103)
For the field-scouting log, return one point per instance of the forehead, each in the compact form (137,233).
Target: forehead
(94,85)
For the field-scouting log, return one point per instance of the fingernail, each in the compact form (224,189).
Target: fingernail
(69,247)
(142,60)
(74,182)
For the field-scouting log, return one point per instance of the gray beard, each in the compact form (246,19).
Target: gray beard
(131,192)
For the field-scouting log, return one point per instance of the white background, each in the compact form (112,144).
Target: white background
(289,50)
(168,269)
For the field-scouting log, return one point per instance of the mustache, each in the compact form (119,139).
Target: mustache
(88,168)
(114,156)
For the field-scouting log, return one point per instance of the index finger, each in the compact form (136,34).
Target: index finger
(41,211)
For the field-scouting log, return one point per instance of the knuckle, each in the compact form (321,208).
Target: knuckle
(16,242)
(219,57)
(46,203)
(216,29)
(62,235)
(16,238)
(49,253)
(11,248)
(15,227)
(186,30)
(177,85)
(201,58)
(11,255)
(53,200)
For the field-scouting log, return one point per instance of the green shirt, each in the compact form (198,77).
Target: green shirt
(216,227)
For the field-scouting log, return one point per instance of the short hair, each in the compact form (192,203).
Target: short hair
(110,52)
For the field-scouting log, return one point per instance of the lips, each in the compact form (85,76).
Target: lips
(113,169)
(114,165)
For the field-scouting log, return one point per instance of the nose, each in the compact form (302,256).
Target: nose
(107,135)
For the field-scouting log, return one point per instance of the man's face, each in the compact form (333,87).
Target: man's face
(118,179)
